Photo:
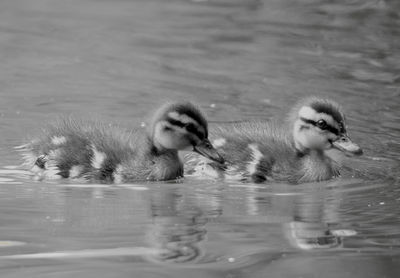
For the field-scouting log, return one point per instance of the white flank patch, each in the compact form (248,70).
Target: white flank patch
(54,154)
(256,155)
(117,174)
(219,142)
(58,140)
(52,171)
(75,171)
(98,158)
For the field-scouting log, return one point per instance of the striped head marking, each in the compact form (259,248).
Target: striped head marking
(320,125)
(182,126)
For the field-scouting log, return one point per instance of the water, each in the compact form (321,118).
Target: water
(116,60)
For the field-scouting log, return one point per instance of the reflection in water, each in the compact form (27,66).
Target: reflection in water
(308,217)
(225,227)
(313,217)
(309,236)
(179,226)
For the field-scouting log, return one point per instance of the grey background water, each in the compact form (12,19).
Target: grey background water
(117,60)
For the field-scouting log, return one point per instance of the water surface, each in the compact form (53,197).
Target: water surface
(117,60)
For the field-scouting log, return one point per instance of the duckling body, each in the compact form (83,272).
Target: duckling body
(292,151)
(95,152)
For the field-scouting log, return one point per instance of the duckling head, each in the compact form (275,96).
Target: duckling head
(181,126)
(319,124)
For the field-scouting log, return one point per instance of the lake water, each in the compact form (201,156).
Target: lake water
(116,60)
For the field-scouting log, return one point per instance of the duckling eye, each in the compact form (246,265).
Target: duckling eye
(322,124)
(190,127)
(342,129)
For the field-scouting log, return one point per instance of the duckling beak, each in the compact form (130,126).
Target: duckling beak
(344,144)
(206,149)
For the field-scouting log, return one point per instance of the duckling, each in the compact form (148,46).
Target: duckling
(94,152)
(294,151)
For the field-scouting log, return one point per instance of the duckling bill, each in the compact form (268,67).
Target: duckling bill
(94,152)
(294,151)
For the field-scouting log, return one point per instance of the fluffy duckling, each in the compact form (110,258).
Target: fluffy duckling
(95,152)
(293,152)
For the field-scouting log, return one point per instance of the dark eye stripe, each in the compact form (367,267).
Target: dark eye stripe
(191,128)
(176,122)
(328,127)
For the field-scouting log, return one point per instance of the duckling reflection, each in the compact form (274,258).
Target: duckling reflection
(179,226)
(307,219)
(315,217)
